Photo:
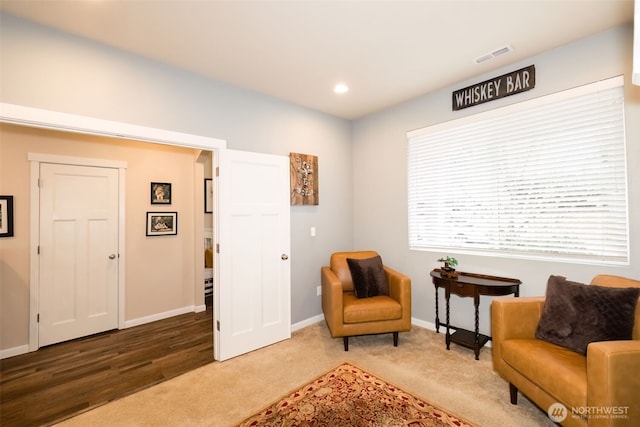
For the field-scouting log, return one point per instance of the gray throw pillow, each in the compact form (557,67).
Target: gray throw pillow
(576,314)
(368,277)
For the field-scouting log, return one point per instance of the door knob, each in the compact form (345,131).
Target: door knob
(284,257)
(112,256)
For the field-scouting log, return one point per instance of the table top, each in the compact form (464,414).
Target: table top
(476,279)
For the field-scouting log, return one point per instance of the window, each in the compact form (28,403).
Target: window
(542,179)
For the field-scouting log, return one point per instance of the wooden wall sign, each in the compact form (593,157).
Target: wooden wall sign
(303,171)
(508,84)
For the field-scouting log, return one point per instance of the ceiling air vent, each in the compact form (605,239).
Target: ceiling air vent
(491,55)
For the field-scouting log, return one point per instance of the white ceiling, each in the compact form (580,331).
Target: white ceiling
(386,51)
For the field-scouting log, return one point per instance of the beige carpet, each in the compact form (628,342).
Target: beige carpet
(226,393)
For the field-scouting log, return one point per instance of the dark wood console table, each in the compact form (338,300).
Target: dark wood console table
(471,285)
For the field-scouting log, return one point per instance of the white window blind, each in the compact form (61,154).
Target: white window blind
(545,178)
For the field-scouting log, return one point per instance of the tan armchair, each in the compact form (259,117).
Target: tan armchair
(607,378)
(347,315)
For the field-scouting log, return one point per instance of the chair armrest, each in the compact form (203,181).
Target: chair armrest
(613,380)
(515,318)
(332,299)
(400,290)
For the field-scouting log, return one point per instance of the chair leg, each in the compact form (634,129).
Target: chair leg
(395,339)
(513,394)
(346,343)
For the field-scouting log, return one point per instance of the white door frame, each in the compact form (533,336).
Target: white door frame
(53,120)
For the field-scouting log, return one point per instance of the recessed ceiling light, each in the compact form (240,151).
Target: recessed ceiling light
(341,88)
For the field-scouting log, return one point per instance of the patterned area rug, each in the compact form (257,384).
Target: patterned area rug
(349,396)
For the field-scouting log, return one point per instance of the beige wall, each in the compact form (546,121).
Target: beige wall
(160,271)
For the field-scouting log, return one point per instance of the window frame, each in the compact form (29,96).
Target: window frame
(522,107)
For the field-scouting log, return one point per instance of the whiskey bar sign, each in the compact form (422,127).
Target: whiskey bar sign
(508,84)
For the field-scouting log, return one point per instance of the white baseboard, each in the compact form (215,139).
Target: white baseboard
(159,316)
(414,321)
(432,326)
(308,322)
(423,324)
(15,351)
(320,317)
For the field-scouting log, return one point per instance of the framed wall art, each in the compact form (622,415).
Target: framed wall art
(162,223)
(160,193)
(6,216)
(208,195)
(303,171)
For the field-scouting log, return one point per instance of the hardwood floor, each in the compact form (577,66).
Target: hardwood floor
(58,381)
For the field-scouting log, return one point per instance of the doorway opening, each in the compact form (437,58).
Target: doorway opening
(252,228)
(205,163)
(165,271)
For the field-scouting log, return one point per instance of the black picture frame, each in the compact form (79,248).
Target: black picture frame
(208,195)
(162,223)
(6,216)
(161,193)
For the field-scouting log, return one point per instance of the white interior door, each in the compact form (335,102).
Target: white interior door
(78,251)
(253,297)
